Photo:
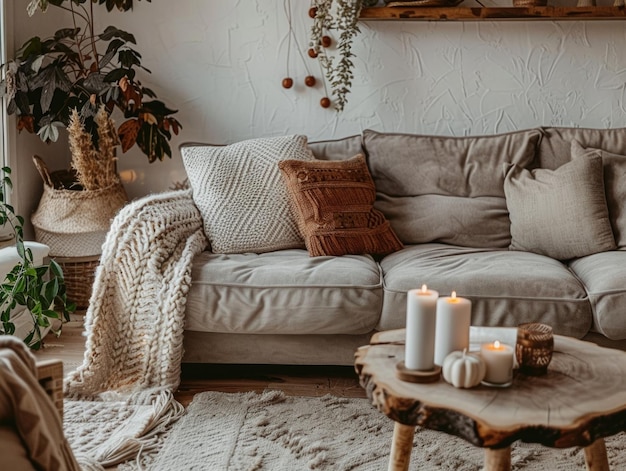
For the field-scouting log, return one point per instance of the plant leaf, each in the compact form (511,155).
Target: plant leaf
(128,58)
(111,32)
(51,314)
(42,78)
(62,80)
(50,131)
(51,288)
(36,64)
(56,269)
(104,61)
(47,91)
(31,47)
(94,83)
(69,33)
(114,45)
(27,123)
(29,337)
(115,75)
(128,133)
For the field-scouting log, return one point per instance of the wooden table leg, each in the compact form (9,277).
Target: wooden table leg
(498,459)
(595,456)
(401,447)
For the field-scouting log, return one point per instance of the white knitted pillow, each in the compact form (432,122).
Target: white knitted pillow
(239,191)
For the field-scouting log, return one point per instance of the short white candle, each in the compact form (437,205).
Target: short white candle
(498,358)
(421,315)
(454,316)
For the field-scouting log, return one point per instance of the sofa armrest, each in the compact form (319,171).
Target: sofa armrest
(50,377)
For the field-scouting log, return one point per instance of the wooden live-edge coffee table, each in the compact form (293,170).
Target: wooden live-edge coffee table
(581,400)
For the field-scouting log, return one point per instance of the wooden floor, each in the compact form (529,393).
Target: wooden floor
(293,380)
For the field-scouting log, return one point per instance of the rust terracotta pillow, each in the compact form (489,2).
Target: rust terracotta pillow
(333,204)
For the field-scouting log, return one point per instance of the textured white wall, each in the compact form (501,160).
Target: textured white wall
(221,64)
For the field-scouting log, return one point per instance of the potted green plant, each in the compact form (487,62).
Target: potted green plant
(78,68)
(69,80)
(39,288)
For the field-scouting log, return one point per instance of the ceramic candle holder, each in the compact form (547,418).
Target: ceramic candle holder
(533,349)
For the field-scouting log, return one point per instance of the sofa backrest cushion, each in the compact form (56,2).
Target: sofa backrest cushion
(554,148)
(337,149)
(241,195)
(446,189)
(614,166)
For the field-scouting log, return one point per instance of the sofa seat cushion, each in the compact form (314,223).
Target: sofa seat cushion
(506,288)
(604,277)
(284,292)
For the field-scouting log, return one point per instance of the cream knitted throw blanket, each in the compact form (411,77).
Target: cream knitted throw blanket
(121,397)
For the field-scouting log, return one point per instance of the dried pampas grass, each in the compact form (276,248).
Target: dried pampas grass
(95,168)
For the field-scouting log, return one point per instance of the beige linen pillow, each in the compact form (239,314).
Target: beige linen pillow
(614,186)
(560,213)
(333,201)
(240,193)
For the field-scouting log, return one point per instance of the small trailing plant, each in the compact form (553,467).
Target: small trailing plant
(40,289)
(80,69)
(342,16)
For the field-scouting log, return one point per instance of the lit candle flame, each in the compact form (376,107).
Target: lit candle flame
(424,289)
(496,345)
(453,296)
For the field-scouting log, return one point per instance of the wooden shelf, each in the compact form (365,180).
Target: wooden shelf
(469,11)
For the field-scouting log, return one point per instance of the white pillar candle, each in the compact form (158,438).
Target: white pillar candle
(498,358)
(421,315)
(453,323)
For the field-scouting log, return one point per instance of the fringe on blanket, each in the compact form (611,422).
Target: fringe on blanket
(134,328)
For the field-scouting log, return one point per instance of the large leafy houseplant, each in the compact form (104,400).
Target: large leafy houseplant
(40,289)
(78,68)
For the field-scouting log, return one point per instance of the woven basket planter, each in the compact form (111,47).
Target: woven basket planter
(75,223)
(79,274)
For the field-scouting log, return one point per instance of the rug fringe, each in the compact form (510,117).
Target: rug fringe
(167,410)
(128,442)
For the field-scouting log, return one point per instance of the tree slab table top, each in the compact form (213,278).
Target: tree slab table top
(580,400)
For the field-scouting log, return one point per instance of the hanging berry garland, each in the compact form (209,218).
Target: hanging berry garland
(337,73)
(309,80)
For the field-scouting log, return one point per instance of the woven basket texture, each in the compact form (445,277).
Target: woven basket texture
(79,276)
(75,223)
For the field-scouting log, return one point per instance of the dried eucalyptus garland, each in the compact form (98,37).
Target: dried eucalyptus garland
(342,16)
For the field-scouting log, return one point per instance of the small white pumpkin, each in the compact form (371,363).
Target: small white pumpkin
(463,370)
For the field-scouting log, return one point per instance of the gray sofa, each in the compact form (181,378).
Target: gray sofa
(445,200)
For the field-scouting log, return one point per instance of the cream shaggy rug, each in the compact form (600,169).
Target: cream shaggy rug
(274,432)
